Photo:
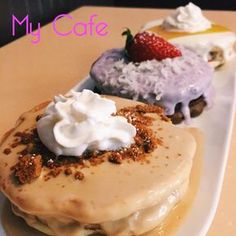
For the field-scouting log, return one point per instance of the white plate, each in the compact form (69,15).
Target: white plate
(216,124)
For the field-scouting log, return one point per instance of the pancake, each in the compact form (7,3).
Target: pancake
(129,197)
(215,43)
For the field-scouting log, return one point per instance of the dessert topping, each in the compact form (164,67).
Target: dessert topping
(148,46)
(186,19)
(7,151)
(79,175)
(37,156)
(83,121)
(28,168)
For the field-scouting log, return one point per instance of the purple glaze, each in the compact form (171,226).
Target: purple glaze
(166,82)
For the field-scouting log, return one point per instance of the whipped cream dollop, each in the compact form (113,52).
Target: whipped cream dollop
(186,19)
(83,121)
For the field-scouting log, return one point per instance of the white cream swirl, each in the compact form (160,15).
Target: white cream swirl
(83,121)
(186,19)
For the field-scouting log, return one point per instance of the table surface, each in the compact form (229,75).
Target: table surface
(30,74)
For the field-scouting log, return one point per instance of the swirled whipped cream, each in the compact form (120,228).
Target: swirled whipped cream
(83,121)
(186,19)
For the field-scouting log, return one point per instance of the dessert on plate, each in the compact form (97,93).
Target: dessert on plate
(189,27)
(151,70)
(86,164)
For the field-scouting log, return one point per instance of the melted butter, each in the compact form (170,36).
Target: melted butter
(173,221)
(170,35)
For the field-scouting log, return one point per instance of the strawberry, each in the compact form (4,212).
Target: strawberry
(147,46)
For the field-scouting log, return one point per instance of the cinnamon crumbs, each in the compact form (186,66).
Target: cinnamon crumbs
(35,155)
(7,151)
(28,168)
(79,175)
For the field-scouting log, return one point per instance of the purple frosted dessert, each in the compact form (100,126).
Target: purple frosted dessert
(167,83)
(182,85)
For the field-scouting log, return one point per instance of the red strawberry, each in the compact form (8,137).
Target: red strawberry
(147,46)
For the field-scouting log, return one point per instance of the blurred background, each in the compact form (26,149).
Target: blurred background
(44,11)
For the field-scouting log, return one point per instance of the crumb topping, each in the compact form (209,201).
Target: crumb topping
(28,168)
(7,151)
(35,155)
(79,175)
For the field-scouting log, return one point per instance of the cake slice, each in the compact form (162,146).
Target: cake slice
(129,191)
